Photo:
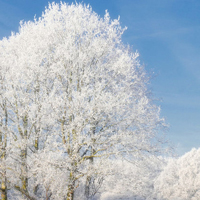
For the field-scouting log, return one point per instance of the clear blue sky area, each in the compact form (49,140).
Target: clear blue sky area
(166,33)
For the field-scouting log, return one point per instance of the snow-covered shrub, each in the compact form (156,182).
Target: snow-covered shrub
(132,181)
(180,179)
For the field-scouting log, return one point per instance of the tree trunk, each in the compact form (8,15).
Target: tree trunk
(3,141)
(70,193)
(3,190)
(71,187)
(92,151)
(4,180)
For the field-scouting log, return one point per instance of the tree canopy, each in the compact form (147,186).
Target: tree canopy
(72,96)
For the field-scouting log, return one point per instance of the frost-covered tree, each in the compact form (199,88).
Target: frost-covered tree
(72,96)
(180,179)
(129,181)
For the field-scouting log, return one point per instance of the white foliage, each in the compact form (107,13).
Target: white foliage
(180,179)
(132,180)
(71,95)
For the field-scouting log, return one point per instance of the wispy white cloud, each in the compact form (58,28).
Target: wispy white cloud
(188,56)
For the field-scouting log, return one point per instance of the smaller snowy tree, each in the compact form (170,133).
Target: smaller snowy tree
(132,181)
(180,179)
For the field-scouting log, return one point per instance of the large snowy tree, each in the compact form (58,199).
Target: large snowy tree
(72,96)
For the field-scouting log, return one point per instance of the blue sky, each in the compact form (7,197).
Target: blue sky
(166,33)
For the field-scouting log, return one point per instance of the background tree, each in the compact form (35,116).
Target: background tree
(180,179)
(132,181)
(77,97)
